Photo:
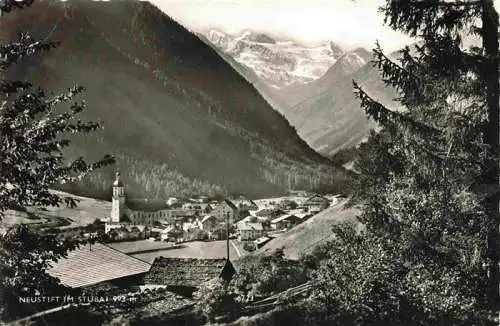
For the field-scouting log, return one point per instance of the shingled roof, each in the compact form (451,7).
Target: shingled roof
(94,264)
(184,271)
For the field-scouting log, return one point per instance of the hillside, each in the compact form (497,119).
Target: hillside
(331,117)
(305,236)
(321,107)
(86,212)
(346,65)
(177,116)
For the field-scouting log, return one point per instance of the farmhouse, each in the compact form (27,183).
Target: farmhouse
(185,275)
(285,222)
(250,231)
(172,201)
(224,210)
(269,212)
(261,241)
(245,204)
(316,203)
(171,233)
(92,265)
(209,224)
(303,216)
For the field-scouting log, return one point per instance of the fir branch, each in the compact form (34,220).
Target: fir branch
(385,116)
(402,79)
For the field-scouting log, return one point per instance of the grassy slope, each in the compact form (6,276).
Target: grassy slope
(177,116)
(302,238)
(86,212)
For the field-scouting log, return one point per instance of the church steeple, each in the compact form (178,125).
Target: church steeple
(118,182)
(118,200)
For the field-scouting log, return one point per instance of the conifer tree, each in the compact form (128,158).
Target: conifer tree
(428,181)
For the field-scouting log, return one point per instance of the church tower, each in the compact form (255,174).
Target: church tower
(118,202)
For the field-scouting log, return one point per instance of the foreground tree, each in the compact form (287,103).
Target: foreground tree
(33,132)
(428,181)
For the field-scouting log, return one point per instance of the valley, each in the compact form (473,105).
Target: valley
(322,108)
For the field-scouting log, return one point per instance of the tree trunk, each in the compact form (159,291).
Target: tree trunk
(491,75)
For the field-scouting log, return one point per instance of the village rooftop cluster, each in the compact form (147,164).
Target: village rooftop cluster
(253,223)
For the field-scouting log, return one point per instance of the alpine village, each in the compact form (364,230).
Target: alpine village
(158,167)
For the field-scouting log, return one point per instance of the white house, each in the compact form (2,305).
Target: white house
(172,201)
(250,231)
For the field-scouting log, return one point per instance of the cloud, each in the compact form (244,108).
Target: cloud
(347,22)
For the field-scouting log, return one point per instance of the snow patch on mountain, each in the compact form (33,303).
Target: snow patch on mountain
(279,63)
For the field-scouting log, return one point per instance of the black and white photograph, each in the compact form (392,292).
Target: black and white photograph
(250,162)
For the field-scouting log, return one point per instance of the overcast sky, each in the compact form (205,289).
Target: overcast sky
(345,22)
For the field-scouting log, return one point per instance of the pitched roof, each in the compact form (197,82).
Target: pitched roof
(250,226)
(262,240)
(207,217)
(230,204)
(184,271)
(267,211)
(316,199)
(303,215)
(282,218)
(249,219)
(94,264)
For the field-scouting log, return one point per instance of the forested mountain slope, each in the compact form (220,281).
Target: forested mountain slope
(177,116)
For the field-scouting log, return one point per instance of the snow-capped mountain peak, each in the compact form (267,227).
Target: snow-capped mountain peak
(279,63)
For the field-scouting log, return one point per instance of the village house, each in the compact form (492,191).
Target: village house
(266,221)
(250,231)
(172,201)
(303,216)
(285,222)
(185,275)
(156,232)
(124,231)
(225,210)
(261,242)
(287,204)
(94,264)
(187,226)
(200,208)
(172,233)
(245,204)
(270,213)
(200,199)
(316,203)
(209,224)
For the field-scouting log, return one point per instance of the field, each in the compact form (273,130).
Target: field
(140,246)
(302,238)
(87,210)
(196,249)
(11,218)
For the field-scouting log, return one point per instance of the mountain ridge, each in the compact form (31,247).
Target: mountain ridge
(176,115)
(278,62)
